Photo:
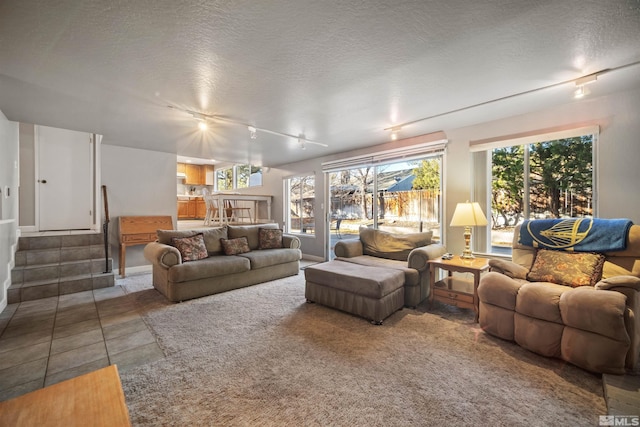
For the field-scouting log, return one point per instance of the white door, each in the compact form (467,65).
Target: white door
(64,179)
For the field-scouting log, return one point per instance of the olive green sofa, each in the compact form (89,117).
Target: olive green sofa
(179,281)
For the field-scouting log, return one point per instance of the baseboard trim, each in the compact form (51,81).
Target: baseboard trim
(312,258)
(140,269)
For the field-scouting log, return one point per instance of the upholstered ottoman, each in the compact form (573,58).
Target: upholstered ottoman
(370,292)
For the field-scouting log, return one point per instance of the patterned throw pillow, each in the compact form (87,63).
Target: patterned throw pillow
(566,268)
(270,238)
(191,248)
(235,246)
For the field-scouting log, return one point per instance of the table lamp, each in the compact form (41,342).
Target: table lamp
(467,215)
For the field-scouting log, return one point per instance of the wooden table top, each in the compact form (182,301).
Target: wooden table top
(93,399)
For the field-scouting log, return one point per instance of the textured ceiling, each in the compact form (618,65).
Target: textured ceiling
(339,72)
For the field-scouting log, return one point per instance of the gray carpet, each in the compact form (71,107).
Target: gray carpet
(262,356)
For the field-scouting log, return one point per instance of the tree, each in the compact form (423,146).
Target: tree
(557,167)
(508,183)
(427,175)
(559,171)
(363,180)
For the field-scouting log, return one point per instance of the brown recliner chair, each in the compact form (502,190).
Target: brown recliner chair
(594,327)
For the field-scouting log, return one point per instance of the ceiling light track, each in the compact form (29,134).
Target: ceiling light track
(202,117)
(581,81)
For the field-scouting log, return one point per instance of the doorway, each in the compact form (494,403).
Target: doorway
(64,179)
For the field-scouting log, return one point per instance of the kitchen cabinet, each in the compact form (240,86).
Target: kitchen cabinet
(209,177)
(183,209)
(196,174)
(199,175)
(193,175)
(201,209)
(193,208)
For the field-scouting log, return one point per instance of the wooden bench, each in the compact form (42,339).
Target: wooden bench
(94,399)
(139,230)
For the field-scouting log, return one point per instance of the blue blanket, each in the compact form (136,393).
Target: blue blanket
(576,234)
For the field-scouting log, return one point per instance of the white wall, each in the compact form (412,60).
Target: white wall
(8,202)
(618,160)
(139,182)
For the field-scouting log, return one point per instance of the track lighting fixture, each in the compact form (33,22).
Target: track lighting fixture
(581,90)
(201,117)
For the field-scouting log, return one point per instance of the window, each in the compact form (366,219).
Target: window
(242,176)
(238,176)
(549,176)
(405,196)
(301,197)
(224,179)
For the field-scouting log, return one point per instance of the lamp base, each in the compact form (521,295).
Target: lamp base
(466,253)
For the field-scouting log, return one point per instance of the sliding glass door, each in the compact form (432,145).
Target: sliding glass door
(399,197)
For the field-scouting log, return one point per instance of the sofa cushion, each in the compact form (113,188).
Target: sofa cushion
(248,231)
(411,275)
(566,268)
(383,244)
(213,266)
(235,246)
(212,236)
(593,310)
(541,300)
(269,238)
(191,248)
(499,290)
(269,257)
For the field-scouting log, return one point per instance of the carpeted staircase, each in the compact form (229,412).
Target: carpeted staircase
(47,266)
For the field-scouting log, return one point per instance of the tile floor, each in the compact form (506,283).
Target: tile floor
(49,340)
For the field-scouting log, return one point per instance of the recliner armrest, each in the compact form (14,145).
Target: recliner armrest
(508,268)
(348,248)
(630,282)
(162,255)
(419,257)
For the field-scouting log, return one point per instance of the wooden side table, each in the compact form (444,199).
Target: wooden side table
(139,230)
(457,291)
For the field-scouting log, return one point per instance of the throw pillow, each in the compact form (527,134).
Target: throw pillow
(235,246)
(566,268)
(270,238)
(191,248)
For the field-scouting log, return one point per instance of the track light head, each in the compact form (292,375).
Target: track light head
(252,132)
(394,132)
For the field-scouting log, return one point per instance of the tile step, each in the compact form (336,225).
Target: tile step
(58,286)
(62,241)
(26,257)
(52,271)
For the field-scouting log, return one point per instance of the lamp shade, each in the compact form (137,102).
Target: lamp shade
(468,214)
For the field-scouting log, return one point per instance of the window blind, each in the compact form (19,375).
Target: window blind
(411,152)
(476,146)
